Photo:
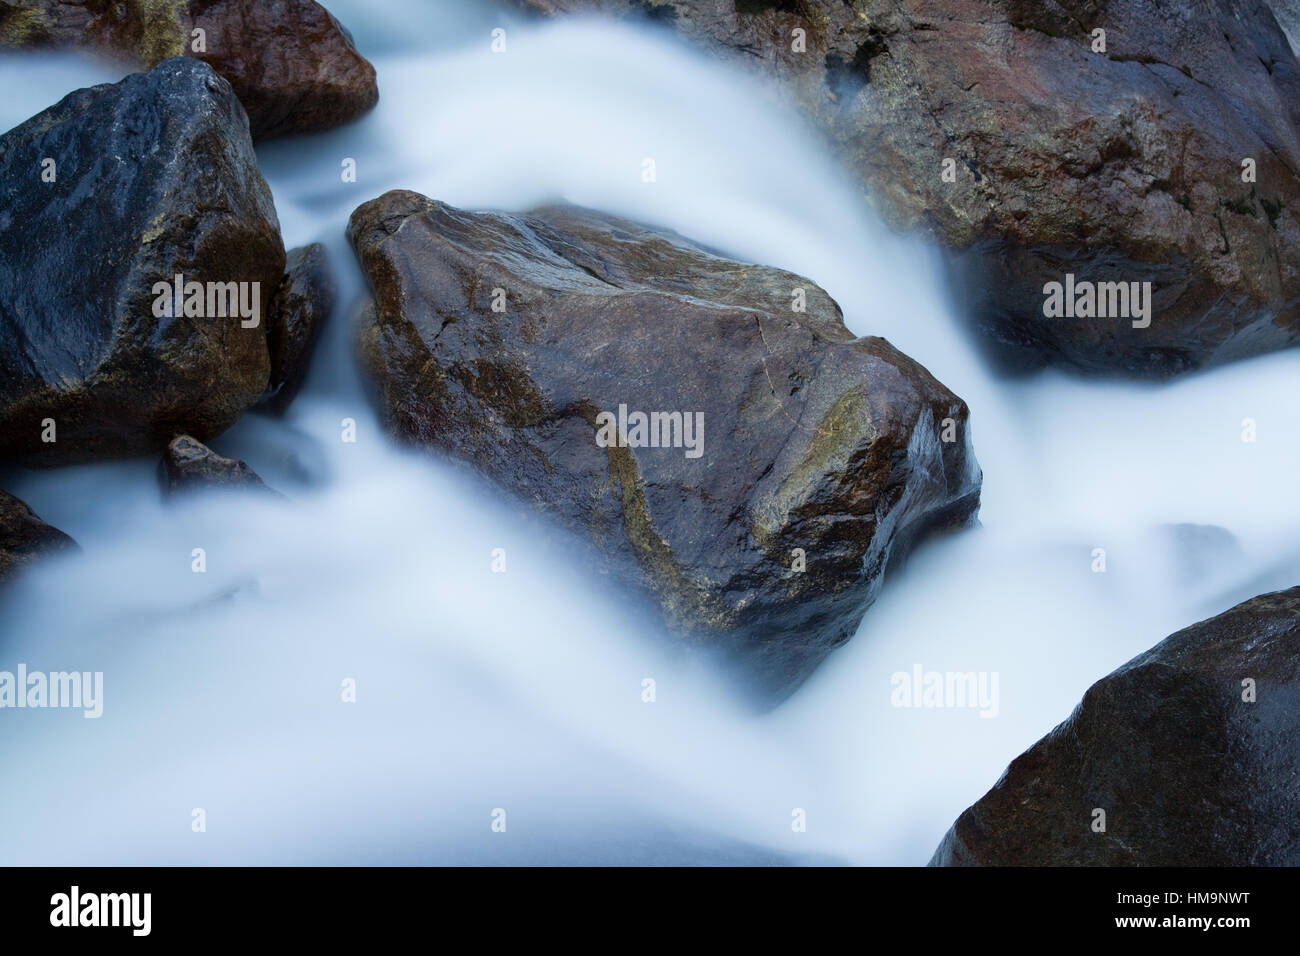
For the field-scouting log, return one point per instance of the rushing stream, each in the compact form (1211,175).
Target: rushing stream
(522,691)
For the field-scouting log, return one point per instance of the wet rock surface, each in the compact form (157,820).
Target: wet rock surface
(189,465)
(1187,770)
(301,306)
(806,459)
(292,65)
(25,538)
(1123,165)
(103,196)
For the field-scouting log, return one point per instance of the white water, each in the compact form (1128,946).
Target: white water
(522,690)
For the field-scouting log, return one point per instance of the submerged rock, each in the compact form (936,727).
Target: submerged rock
(781,462)
(301,306)
(25,538)
(1200,554)
(1191,750)
(997,127)
(189,465)
(291,64)
(105,198)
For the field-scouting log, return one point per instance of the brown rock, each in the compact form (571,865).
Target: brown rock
(189,465)
(505,341)
(292,65)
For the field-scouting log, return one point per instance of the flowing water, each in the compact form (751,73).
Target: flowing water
(521,691)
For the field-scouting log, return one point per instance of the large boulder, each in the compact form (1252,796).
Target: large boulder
(293,65)
(1192,750)
(1123,165)
(527,346)
(104,197)
(25,538)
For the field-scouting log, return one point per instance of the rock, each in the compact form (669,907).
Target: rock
(189,465)
(1117,166)
(153,177)
(1187,772)
(504,342)
(302,304)
(25,538)
(293,65)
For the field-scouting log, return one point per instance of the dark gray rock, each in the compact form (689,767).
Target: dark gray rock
(154,176)
(1187,771)
(300,309)
(25,538)
(812,439)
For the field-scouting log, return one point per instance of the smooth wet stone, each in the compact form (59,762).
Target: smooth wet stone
(517,344)
(1191,750)
(189,465)
(152,177)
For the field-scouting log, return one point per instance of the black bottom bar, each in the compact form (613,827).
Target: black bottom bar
(333,905)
